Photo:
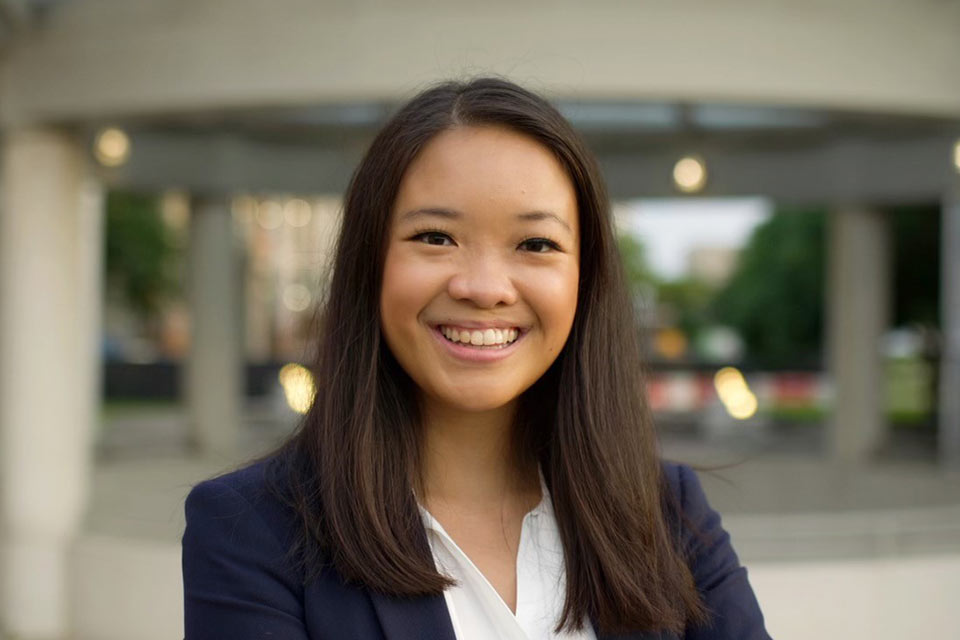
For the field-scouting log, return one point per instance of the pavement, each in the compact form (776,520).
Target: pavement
(779,496)
(880,536)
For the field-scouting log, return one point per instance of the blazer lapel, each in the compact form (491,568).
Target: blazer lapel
(424,618)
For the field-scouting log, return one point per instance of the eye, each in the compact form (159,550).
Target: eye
(539,245)
(435,238)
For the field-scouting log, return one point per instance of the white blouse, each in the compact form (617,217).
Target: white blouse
(477,610)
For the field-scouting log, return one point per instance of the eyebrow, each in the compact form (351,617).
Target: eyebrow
(453,214)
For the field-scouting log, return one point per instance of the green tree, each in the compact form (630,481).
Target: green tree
(775,297)
(139,251)
(687,304)
(634,257)
(641,281)
(682,303)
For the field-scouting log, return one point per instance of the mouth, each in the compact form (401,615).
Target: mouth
(487,338)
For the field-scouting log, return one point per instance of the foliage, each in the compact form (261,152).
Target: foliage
(641,281)
(680,303)
(685,304)
(139,250)
(775,297)
(634,257)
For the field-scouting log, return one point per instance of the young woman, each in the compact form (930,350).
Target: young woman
(479,461)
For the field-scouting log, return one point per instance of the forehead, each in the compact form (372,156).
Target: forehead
(478,167)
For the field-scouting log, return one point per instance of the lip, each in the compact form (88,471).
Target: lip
(468,353)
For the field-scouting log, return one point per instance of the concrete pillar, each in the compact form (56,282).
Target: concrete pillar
(214,370)
(949,393)
(858,304)
(50,300)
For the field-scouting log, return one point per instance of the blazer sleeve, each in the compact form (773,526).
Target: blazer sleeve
(237,583)
(719,576)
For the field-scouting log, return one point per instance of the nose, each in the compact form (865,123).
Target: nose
(484,281)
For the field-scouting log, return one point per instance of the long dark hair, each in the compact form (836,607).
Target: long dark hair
(351,468)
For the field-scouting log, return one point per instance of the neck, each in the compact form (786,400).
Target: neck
(470,458)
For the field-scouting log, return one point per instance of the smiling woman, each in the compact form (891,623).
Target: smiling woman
(484,240)
(478,460)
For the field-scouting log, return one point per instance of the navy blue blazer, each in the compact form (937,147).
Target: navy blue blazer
(239,585)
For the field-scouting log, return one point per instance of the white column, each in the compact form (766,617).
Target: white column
(857,314)
(949,393)
(214,372)
(50,284)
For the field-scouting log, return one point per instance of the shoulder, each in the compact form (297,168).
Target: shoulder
(673,473)
(246,486)
(684,488)
(720,578)
(697,523)
(689,514)
(239,578)
(245,500)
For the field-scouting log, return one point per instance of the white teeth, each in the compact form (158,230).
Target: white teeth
(477,337)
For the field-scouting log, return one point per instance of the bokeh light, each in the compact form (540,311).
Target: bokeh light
(296,297)
(269,214)
(735,394)
(690,174)
(671,343)
(298,387)
(111,147)
(175,209)
(297,212)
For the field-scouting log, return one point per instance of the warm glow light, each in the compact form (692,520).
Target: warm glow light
(671,343)
(298,387)
(742,406)
(296,297)
(111,147)
(269,214)
(733,391)
(690,174)
(297,212)
(956,155)
(729,378)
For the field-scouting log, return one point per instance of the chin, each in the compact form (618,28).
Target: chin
(477,403)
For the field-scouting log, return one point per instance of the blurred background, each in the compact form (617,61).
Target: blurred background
(786,180)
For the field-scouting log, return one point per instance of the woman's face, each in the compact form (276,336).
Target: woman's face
(482,267)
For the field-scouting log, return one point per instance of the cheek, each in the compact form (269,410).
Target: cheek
(407,288)
(395,299)
(553,297)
